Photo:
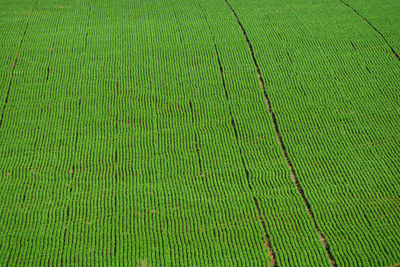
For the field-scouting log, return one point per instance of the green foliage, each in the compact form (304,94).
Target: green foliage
(117,145)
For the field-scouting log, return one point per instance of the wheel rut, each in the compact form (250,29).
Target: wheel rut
(15,64)
(373,27)
(196,141)
(267,243)
(280,140)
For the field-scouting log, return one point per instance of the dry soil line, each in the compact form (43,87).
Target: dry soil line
(37,130)
(15,63)
(373,27)
(8,93)
(267,243)
(280,141)
(36,137)
(196,142)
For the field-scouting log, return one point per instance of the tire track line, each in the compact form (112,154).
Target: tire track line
(271,251)
(35,143)
(15,63)
(373,27)
(196,142)
(38,129)
(8,93)
(281,143)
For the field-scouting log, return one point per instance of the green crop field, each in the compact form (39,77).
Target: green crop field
(200,133)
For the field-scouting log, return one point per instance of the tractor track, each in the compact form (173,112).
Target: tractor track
(280,141)
(15,63)
(271,251)
(6,101)
(373,27)
(196,142)
(36,136)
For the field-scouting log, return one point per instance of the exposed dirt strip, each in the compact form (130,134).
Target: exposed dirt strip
(15,63)
(373,27)
(47,79)
(280,141)
(37,133)
(271,252)
(196,143)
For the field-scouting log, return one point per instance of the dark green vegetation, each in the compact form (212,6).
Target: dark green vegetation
(187,132)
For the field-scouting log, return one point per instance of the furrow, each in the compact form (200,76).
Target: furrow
(271,252)
(373,27)
(280,140)
(196,143)
(15,64)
